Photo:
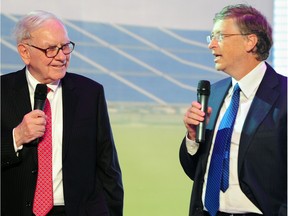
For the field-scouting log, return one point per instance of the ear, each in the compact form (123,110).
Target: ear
(24,53)
(252,40)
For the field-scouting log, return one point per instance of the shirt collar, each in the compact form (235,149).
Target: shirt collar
(250,83)
(32,82)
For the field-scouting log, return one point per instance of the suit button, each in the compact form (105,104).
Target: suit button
(28,204)
(6,163)
(34,171)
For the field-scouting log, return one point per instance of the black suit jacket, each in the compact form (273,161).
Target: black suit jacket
(262,158)
(91,173)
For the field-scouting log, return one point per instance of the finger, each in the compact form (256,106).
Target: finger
(36,113)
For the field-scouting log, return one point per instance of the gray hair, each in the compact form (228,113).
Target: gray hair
(250,21)
(31,22)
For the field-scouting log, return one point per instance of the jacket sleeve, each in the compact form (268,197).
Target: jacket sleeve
(188,162)
(8,155)
(108,165)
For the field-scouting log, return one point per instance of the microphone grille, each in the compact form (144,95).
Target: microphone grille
(40,92)
(203,87)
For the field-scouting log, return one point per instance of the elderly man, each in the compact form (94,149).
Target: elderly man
(61,160)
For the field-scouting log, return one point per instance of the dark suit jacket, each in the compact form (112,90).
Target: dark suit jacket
(262,158)
(91,173)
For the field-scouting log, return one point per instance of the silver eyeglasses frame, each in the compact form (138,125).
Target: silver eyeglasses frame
(220,36)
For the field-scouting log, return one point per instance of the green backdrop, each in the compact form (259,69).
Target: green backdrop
(148,149)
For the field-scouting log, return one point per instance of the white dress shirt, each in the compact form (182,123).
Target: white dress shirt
(234,200)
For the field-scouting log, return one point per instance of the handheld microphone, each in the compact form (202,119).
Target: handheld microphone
(40,95)
(203,92)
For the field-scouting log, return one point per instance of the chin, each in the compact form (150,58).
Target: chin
(218,67)
(58,76)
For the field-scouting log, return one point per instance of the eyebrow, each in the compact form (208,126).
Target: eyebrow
(56,45)
(219,31)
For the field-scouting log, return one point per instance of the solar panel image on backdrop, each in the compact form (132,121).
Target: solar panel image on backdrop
(150,76)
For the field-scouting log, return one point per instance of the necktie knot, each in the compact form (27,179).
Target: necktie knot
(236,89)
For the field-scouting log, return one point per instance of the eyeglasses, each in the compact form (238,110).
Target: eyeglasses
(53,51)
(219,37)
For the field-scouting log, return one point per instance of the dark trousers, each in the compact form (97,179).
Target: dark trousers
(57,211)
(231,214)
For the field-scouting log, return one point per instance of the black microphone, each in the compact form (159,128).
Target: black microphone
(203,92)
(40,95)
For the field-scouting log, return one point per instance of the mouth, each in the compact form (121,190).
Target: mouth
(216,57)
(59,66)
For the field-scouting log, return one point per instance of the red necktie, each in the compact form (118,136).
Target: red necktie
(43,199)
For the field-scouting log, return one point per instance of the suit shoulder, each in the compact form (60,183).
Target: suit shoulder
(9,79)
(10,75)
(81,80)
(275,79)
(283,79)
(223,82)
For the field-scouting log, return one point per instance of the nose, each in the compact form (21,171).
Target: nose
(60,55)
(213,43)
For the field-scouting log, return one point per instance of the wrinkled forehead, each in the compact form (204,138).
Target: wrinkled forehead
(51,32)
(50,25)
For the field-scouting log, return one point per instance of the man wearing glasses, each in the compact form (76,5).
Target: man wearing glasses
(241,167)
(59,160)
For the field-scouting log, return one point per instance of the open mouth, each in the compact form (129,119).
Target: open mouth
(217,57)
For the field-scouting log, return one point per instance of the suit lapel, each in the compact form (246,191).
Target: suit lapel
(263,101)
(21,97)
(218,94)
(70,100)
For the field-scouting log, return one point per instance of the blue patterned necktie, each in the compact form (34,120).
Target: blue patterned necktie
(218,176)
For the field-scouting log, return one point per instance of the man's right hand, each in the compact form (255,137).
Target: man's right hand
(31,127)
(193,117)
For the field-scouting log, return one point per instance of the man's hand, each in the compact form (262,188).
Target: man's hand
(193,117)
(31,127)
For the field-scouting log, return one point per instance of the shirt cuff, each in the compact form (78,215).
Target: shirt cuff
(192,146)
(14,143)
